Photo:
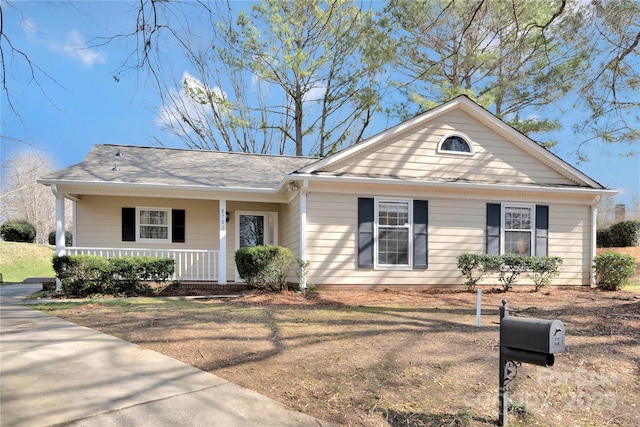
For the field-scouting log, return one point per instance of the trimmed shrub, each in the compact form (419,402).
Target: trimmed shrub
(509,267)
(68,238)
(264,267)
(18,230)
(625,234)
(84,275)
(475,266)
(613,270)
(543,270)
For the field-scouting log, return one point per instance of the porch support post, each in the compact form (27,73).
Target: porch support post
(222,259)
(594,226)
(303,229)
(60,243)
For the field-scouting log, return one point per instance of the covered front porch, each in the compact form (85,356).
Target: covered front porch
(202,244)
(200,252)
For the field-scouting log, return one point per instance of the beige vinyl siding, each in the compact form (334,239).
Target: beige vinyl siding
(455,226)
(570,238)
(290,232)
(414,155)
(99,222)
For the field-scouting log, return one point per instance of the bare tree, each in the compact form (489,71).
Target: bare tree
(23,198)
(290,76)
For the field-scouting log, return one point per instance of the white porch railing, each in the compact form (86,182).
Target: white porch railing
(200,265)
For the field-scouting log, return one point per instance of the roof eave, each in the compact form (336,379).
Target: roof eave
(456,185)
(132,185)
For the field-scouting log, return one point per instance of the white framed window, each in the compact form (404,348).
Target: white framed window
(153,225)
(455,143)
(393,234)
(518,229)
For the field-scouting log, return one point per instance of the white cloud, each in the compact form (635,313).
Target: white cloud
(314,94)
(191,101)
(29,28)
(74,46)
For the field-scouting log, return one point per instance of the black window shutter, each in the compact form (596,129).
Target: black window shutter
(128,224)
(365,232)
(420,233)
(493,228)
(542,230)
(178,225)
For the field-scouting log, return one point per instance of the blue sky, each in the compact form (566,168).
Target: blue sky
(83,104)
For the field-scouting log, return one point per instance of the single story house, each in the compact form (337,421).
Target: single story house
(393,210)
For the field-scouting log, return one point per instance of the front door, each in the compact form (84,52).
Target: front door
(256,229)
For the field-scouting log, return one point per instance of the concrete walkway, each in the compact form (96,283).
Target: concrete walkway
(54,372)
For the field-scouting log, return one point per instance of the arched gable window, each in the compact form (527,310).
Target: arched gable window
(455,144)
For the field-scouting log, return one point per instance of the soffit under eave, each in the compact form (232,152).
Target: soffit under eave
(560,195)
(78,191)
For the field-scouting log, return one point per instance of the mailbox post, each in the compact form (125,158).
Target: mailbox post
(525,340)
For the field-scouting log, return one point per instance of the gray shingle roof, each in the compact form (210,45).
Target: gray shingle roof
(180,167)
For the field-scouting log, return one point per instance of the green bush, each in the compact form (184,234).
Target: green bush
(603,238)
(509,267)
(625,234)
(613,270)
(620,235)
(84,275)
(18,230)
(264,267)
(475,266)
(68,238)
(543,270)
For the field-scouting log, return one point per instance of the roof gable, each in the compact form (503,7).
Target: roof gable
(409,150)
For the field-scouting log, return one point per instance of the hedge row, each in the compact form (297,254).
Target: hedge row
(84,275)
(620,235)
(509,267)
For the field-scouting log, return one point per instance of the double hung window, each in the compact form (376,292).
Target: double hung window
(518,229)
(393,233)
(153,224)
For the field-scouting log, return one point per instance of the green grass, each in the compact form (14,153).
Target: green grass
(20,260)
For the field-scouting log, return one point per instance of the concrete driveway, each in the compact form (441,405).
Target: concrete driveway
(55,372)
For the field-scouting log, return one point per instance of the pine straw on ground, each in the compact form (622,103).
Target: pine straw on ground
(400,358)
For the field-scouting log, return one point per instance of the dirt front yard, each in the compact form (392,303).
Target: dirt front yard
(397,358)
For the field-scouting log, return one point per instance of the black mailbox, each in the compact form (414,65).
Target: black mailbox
(531,340)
